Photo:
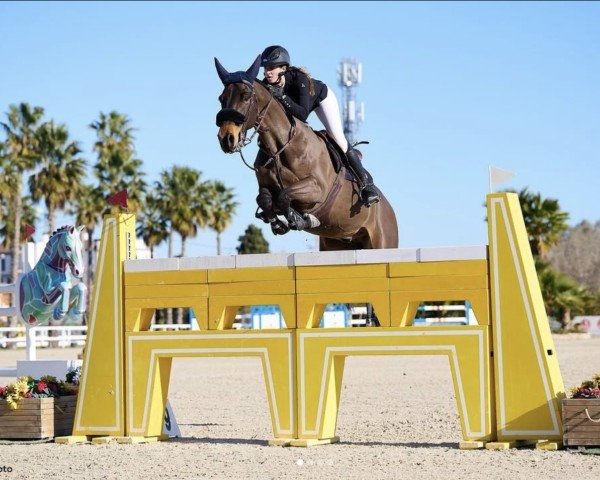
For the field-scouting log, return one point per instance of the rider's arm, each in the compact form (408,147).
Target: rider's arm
(299,106)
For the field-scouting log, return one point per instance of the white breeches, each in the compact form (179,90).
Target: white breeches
(329,114)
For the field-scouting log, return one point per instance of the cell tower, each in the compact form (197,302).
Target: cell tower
(349,77)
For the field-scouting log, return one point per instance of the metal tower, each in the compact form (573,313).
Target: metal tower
(349,77)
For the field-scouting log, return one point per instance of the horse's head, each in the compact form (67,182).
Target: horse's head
(239,108)
(69,248)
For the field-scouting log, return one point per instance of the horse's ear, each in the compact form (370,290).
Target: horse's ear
(71,230)
(253,70)
(223,74)
(80,228)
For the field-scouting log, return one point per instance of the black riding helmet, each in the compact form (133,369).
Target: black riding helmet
(274,56)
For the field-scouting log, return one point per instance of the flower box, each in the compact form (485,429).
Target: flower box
(578,421)
(37,418)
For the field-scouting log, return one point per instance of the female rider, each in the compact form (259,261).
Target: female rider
(301,94)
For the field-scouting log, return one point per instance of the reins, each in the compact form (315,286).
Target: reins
(257,127)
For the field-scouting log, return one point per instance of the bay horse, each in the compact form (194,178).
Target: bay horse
(299,187)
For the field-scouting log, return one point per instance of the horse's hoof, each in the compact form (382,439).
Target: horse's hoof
(296,222)
(313,222)
(278,228)
(262,216)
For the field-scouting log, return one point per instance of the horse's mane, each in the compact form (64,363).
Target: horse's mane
(59,230)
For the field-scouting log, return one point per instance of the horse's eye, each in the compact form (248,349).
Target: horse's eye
(246,96)
(68,249)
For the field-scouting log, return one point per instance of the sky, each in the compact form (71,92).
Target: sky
(449,88)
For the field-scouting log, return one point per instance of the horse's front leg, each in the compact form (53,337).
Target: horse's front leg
(305,191)
(78,299)
(268,215)
(63,304)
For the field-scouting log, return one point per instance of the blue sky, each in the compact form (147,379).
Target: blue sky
(449,88)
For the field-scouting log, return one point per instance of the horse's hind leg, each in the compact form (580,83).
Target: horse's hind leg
(383,230)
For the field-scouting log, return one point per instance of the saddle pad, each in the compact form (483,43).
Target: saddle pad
(338,158)
(335,152)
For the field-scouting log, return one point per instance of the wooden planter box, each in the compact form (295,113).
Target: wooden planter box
(38,418)
(578,428)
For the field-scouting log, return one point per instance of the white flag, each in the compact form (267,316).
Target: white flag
(497,176)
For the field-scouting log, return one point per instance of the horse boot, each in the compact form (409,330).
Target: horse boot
(368,192)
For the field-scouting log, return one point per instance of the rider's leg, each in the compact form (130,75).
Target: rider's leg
(329,114)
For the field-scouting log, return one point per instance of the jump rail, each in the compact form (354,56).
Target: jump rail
(506,377)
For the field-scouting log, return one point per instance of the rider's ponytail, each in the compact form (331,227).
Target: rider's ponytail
(311,85)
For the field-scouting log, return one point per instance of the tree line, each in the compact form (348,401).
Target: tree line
(567,258)
(41,153)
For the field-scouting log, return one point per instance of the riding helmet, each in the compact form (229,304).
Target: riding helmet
(274,56)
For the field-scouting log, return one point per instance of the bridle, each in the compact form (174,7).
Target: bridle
(228,114)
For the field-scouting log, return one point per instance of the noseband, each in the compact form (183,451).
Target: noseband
(237,117)
(232,115)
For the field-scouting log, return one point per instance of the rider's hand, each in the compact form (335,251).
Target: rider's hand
(275,91)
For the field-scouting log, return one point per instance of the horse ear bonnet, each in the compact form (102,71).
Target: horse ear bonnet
(238,77)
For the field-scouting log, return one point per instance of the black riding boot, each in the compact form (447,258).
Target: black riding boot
(368,192)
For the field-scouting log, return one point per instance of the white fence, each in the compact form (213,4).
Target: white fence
(67,336)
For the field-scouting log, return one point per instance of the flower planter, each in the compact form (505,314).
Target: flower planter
(38,418)
(578,421)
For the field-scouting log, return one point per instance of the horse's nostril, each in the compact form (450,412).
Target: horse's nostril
(231,140)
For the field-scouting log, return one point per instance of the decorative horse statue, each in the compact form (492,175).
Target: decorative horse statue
(299,187)
(47,293)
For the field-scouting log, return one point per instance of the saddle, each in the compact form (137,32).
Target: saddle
(338,157)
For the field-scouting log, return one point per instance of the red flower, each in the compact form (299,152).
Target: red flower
(41,386)
(28,395)
(3,391)
(53,388)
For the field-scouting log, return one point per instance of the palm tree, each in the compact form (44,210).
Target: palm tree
(544,221)
(184,201)
(222,209)
(152,224)
(117,168)
(28,216)
(5,181)
(59,179)
(21,146)
(562,295)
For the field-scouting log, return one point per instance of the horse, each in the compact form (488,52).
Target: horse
(47,293)
(299,187)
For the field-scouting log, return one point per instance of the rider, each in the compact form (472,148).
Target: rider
(301,94)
